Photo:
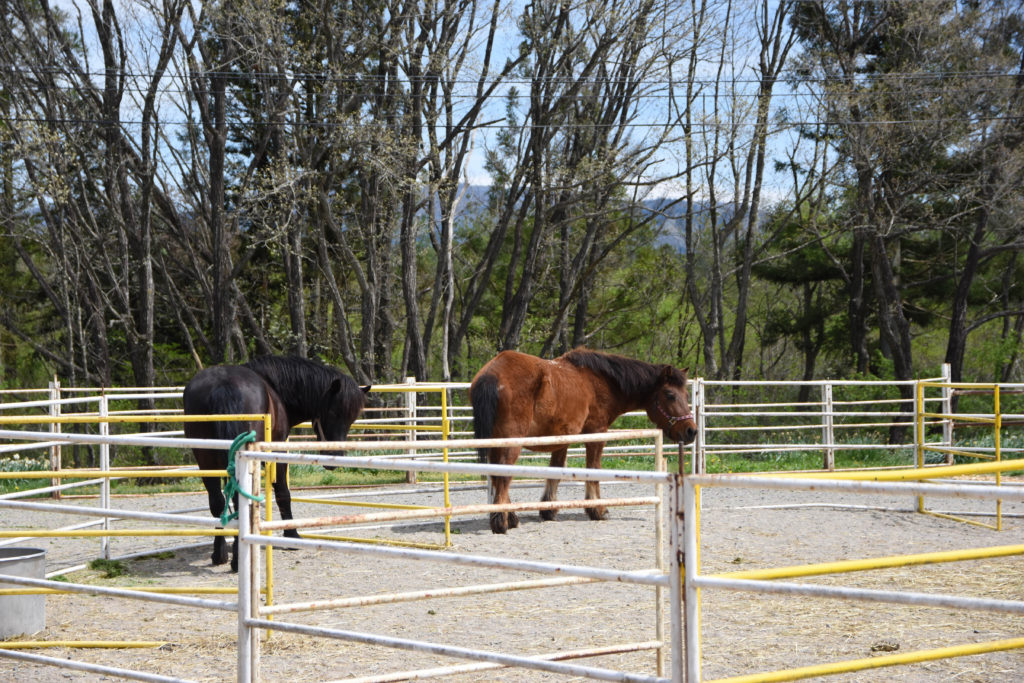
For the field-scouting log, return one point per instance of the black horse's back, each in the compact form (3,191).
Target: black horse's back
(310,389)
(483,394)
(220,391)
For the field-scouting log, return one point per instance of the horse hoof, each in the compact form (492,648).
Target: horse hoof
(291,533)
(597,514)
(499,524)
(234,565)
(548,515)
(513,520)
(219,558)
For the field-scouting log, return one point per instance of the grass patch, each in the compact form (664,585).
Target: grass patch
(162,555)
(110,568)
(17,463)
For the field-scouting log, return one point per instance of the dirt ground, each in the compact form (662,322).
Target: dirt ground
(741,633)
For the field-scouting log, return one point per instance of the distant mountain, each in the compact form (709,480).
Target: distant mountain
(668,221)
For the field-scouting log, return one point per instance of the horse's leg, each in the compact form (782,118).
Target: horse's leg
(551,486)
(594,451)
(283,496)
(234,544)
(501,522)
(216,498)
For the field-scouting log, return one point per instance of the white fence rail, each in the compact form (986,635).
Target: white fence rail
(835,417)
(253,617)
(823,418)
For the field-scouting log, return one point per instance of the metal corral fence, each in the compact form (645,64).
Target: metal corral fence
(772,581)
(684,497)
(742,425)
(253,615)
(252,535)
(823,417)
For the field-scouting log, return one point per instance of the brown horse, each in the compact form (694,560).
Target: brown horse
(582,392)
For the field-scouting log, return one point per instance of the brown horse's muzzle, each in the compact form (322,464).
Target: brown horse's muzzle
(683,430)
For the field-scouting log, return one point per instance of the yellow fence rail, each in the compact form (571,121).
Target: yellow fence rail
(923,447)
(762,579)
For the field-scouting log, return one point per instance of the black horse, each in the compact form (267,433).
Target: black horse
(291,390)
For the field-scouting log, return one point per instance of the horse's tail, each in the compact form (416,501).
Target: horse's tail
(483,394)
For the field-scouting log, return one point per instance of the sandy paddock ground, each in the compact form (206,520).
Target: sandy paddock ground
(742,633)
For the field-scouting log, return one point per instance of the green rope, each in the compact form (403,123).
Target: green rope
(231,486)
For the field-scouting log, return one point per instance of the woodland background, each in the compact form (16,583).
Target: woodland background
(753,189)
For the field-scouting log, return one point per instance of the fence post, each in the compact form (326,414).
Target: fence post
(700,465)
(248,574)
(919,434)
(410,434)
(997,415)
(687,555)
(947,409)
(105,467)
(828,435)
(676,587)
(55,428)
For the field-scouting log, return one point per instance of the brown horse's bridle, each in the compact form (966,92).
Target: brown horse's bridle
(671,418)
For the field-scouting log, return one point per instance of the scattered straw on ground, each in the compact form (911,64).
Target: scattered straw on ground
(742,633)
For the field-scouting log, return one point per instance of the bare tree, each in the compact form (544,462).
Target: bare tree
(726,151)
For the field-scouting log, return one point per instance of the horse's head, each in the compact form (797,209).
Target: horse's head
(341,406)
(669,407)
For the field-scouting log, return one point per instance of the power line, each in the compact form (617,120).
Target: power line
(660,96)
(358,79)
(505,126)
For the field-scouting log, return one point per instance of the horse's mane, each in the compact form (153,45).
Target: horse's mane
(301,381)
(633,377)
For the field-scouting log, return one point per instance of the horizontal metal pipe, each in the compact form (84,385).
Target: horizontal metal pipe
(466,468)
(167,590)
(81,525)
(805,414)
(148,391)
(984,525)
(90,668)
(376,541)
(82,644)
(410,596)
(133,594)
(651,577)
(427,512)
(47,402)
(865,594)
(898,482)
(844,566)
(793,448)
(457,467)
(357,504)
(460,652)
(99,533)
(127,440)
(526,442)
(18,447)
(114,514)
(419,387)
(876,662)
(83,418)
(819,382)
(112,474)
(442,672)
